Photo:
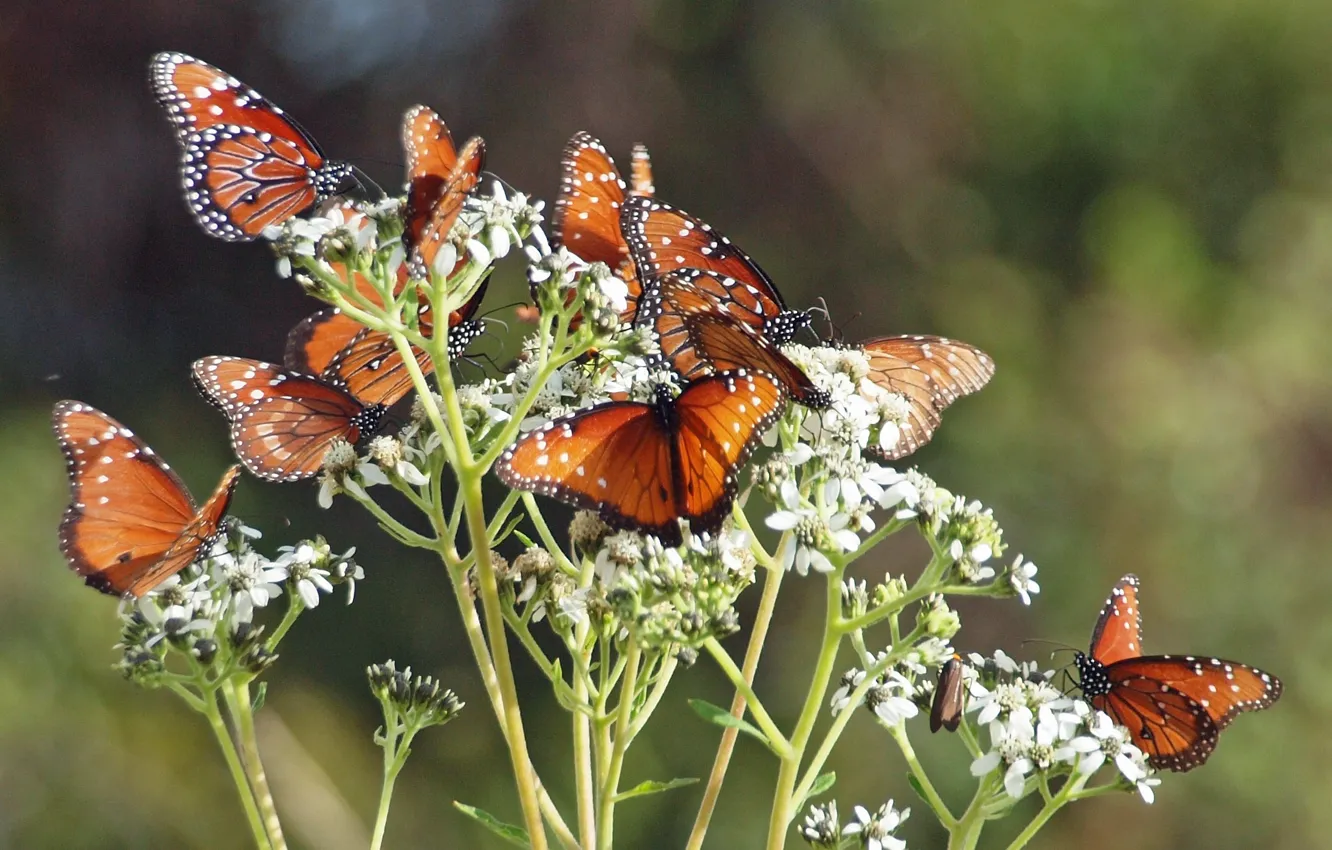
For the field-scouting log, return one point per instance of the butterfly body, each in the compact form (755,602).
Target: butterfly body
(131,522)
(646,465)
(246,165)
(1173,706)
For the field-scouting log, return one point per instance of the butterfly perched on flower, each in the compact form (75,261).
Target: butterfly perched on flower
(439,177)
(246,165)
(586,219)
(697,337)
(131,523)
(664,239)
(282,422)
(930,373)
(646,466)
(1174,706)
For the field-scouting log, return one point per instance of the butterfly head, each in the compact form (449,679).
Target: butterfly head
(1094,681)
(783,327)
(334,178)
(368,421)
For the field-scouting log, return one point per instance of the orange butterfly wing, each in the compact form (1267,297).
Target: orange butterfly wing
(439,177)
(197,95)
(640,173)
(613,458)
(1173,730)
(239,181)
(721,419)
(282,423)
(131,523)
(931,372)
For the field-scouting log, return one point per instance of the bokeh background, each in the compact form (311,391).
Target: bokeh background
(1128,204)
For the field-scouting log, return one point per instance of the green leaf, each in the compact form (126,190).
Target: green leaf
(527,541)
(652,786)
(918,788)
(260,694)
(720,716)
(513,834)
(821,785)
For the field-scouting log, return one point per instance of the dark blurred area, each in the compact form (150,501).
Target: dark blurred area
(1127,204)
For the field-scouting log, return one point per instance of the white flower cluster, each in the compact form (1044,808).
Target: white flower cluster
(870,830)
(1034,729)
(220,594)
(891,696)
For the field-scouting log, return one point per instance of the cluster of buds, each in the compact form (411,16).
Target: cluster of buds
(417,702)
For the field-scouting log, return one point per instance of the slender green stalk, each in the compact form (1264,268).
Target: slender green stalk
(772,585)
(238,703)
(783,798)
(611,780)
(395,756)
(474,508)
(1070,789)
(774,735)
(399,531)
(543,532)
(294,608)
(654,696)
(966,831)
(238,776)
(941,810)
(585,790)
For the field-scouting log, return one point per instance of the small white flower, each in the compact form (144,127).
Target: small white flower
(841,698)
(1020,577)
(252,582)
(876,830)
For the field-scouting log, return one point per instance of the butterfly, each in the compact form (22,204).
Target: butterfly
(663,239)
(950,696)
(131,523)
(645,466)
(587,212)
(439,177)
(282,422)
(931,373)
(698,338)
(246,165)
(1173,706)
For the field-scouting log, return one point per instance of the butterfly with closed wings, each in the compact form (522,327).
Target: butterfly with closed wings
(586,219)
(246,165)
(1174,706)
(131,523)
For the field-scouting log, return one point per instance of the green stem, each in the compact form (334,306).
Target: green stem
(1071,788)
(772,585)
(403,534)
(854,700)
(395,756)
(611,779)
(294,608)
(228,747)
(543,532)
(474,508)
(932,797)
(783,798)
(238,702)
(966,831)
(654,696)
(581,650)
(776,739)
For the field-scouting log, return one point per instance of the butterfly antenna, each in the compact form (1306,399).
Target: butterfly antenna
(367,184)
(1059,646)
(486,320)
(508,187)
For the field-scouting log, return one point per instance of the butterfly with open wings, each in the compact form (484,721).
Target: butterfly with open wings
(1174,706)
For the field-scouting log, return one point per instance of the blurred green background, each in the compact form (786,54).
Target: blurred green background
(1128,204)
